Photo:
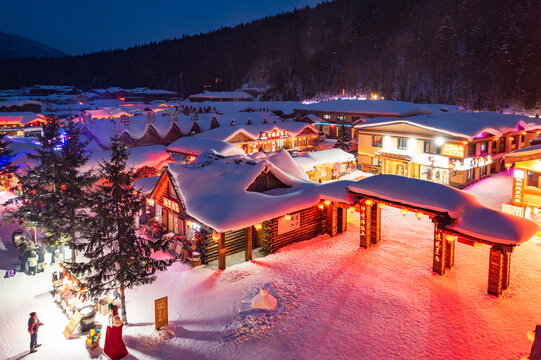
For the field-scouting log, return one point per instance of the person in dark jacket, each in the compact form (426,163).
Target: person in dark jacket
(32,262)
(41,258)
(33,327)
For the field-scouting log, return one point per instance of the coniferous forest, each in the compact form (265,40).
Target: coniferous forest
(483,54)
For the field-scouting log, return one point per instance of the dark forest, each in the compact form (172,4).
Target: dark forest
(477,53)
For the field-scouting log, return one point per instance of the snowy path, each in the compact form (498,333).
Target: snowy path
(336,301)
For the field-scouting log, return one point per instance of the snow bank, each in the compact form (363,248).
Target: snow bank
(194,146)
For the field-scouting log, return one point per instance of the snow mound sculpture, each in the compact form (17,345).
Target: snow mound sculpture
(264,301)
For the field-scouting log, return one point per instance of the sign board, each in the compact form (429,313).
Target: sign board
(453,150)
(170,204)
(161,312)
(74,321)
(518,190)
(285,226)
(513,210)
(274,134)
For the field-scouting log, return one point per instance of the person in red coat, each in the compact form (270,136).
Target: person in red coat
(114,345)
(33,327)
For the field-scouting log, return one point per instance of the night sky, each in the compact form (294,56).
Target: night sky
(87,26)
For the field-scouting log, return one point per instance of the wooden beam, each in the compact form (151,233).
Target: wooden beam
(375,224)
(332,223)
(506,270)
(365,225)
(449,252)
(439,253)
(495,267)
(248,248)
(221,252)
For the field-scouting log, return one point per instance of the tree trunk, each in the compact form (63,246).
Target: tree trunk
(123,305)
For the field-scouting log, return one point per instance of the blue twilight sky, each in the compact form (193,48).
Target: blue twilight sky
(75,26)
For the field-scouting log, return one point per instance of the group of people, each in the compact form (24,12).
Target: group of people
(32,257)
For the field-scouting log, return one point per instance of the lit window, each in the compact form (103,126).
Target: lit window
(533,179)
(326,117)
(402,143)
(377,141)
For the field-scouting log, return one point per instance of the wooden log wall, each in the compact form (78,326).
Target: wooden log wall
(495,268)
(375,229)
(208,247)
(312,224)
(449,252)
(332,220)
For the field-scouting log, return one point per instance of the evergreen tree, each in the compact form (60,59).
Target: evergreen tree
(342,141)
(6,167)
(39,182)
(118,257)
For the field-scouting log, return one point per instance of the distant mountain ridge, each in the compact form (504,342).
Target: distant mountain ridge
(13,46)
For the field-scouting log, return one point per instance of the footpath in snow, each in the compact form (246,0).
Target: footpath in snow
(335,301)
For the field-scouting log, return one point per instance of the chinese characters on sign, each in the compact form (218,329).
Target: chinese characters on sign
(161,312)
(170,204)
(275,134)
(513,210)
(285,226)
(518,187)
(439,261)
(453,150)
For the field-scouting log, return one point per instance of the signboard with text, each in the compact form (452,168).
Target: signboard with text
(518,187)
(74,321)
(285,225)
(453,150)
(161,316)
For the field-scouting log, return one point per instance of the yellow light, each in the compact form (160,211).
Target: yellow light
(381,205)
(511,138)
(258,227)
(523,133)
(404,211)
(531,335)
(287,217)
(351,208)
(320,206)
(478,245)
(449,237)
(327,202)
(419,215)
(189,223)
(538,132)
(464,142)
(216,237)
(369,202)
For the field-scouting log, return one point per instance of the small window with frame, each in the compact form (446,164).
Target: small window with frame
(402,143)
(377,141)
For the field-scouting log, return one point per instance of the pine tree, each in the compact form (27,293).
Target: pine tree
(38,183)
(342,141)
(7,169)
(119,258)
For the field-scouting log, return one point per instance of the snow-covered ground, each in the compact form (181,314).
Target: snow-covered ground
(335,301)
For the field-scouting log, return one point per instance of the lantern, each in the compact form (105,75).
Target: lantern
(404,211)
(216,237)
(189,223)
(419,215)
(369,202)
(258,227)
(381,205)
(351,208)
(287,217)
(478,245)
(320,206)
(449,237)
(327,202)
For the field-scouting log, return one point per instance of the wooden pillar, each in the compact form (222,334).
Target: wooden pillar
(365,225)
(342,219)
(506,270)
(495,270)
(248,245)
(258,236)
(221,252)
(449,251)
(332,220)
(535,352)
(439,255)
(375,224)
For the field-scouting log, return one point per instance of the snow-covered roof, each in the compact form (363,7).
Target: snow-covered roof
(152,156)
(462,124)
(222,95)
(191,145)
(145,185)
(213,189)
(22,118)
(224,133)
(311,160)
(524,154)
(471,217)
(18,102)
(373,107)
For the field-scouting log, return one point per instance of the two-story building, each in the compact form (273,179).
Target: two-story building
(449,148)
(526,196)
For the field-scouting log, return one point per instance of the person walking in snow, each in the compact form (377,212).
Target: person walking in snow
(33,327)
(41,258)
(32,262)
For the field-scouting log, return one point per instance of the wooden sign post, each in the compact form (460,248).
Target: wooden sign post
(74,321)
(161,317)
